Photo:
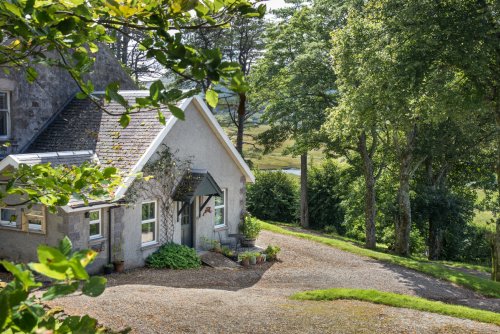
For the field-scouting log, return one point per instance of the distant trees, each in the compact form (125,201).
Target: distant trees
(407,94)
(294,84)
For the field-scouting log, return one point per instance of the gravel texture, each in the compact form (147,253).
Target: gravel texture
(256,300)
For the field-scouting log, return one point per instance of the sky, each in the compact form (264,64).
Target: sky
(273,4)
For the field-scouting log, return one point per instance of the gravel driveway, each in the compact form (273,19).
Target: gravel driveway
(255,300)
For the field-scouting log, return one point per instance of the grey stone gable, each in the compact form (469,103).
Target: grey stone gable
(83,126)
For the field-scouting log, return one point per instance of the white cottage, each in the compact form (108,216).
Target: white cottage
(211,209)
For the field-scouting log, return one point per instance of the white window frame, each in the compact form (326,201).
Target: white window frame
(6,136)
(96,222)
(224,206)
(32,227)
(10,224)
(147,221)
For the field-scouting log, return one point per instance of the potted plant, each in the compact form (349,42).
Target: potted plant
(118,262)
(272,252)
(245,259)
(259,257)
(250,228)
(108,268)
(253,258)
(263,257)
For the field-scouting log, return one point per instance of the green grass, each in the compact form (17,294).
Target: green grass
(481,285)
(273,160)
(397,300)
(477,267)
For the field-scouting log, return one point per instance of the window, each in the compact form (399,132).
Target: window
(95,224)
(34,218)
(8,217)
(4,114)
(148,223)
(220,209)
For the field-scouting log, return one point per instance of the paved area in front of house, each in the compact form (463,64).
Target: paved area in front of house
(256,300)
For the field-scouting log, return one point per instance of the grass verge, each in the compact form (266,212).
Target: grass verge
(483,286)
(397,300)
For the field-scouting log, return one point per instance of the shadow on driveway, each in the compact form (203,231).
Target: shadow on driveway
(202,278)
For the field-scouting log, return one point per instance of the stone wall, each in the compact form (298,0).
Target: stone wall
(33,105)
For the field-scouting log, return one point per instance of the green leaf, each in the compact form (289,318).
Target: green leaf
(155,90)
(112,94)
(94,286)
(108,172)
(24,276)
(46,270)
(65,246)
(176,111)
(125,120)
(212,98)
(49,255)
(161,117)
(13,9)
(60,290)
(32,74)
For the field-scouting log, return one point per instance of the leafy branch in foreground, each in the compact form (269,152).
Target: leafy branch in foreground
(55,186)
(68,34)
(23,312)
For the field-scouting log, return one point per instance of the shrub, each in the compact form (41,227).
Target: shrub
(325,196)
(274,196)
(250,227)
(174,256)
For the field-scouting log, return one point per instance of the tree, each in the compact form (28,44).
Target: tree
(391,70)
(463,37)
(294,84)
(23,311)
(240,44)
(67,34)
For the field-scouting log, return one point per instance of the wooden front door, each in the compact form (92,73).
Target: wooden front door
(187,225)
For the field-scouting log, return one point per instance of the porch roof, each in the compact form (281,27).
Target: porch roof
(196,182)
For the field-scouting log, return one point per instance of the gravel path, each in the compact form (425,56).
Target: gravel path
(256,300)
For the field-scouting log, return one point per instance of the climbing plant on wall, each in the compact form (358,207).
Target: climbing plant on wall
(160,177)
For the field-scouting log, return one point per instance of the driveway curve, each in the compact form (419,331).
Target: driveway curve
(256,300)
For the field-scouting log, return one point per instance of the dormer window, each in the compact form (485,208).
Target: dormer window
(4,115)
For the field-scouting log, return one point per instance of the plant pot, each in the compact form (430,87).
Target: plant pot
(245,242)
(108,269)
(253,260)
(245,262)
(119,266)
(263,257)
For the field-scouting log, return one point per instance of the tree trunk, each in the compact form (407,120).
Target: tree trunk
(403,221)
(304,207)
(241,122)
(495,274)
(370,200)
(435,239)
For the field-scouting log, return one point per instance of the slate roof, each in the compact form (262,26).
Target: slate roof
(83,126)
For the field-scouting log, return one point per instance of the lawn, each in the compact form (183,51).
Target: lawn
(483,286)
(273,160)
(398,300)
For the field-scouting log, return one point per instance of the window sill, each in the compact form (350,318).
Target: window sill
(149,245)
(36,231)
(10,228)
(97,239)
(218,228)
